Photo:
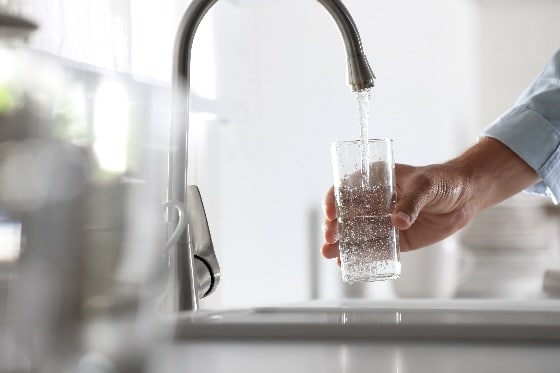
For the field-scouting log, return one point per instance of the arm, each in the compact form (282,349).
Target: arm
(531,129)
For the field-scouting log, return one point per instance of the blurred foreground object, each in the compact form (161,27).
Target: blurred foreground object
(76,231)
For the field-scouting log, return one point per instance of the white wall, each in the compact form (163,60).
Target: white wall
(511,42)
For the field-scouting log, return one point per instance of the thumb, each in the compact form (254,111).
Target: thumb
(411,202)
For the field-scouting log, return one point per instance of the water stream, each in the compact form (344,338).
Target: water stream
(364,99)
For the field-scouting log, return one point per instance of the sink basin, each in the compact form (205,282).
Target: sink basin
(537,320)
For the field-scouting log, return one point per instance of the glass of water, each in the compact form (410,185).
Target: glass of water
(365,193)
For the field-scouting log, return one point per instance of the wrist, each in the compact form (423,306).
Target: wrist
(493,173)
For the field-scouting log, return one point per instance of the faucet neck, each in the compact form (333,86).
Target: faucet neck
(360,75)
(183,284)
(182,293)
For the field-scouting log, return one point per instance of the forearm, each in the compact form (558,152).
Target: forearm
(493,172)
(531,128)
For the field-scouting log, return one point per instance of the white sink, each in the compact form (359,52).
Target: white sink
(419,319)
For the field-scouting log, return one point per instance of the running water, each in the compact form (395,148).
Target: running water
(364,98)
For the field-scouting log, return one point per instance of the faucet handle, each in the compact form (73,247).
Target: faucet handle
(206,266)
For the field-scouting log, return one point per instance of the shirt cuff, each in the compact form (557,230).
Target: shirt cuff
(536,141)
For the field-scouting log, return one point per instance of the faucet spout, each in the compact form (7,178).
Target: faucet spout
(184,285)
(360,76)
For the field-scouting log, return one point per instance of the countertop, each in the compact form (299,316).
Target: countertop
(378,353)
(385,356)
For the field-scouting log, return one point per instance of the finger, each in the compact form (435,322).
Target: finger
(329,206)
(412,201)
(330,230)
(330,251)
(401,219)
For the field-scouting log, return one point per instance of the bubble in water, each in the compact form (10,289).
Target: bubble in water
(368,240)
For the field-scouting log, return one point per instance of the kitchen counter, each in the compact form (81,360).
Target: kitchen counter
(357,336)
(386,356)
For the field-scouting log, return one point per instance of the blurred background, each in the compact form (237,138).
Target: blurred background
(269,95)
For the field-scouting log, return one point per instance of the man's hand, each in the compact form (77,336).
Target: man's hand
(435,201)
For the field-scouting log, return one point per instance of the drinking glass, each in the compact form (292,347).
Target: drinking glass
(365,194)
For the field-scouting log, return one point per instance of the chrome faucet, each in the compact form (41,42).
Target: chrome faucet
(193,271)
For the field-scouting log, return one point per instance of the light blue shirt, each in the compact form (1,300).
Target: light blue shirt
(532,129)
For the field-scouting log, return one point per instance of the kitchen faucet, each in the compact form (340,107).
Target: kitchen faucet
(193,268)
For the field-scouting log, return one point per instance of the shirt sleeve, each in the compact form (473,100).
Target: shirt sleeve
(532,129)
